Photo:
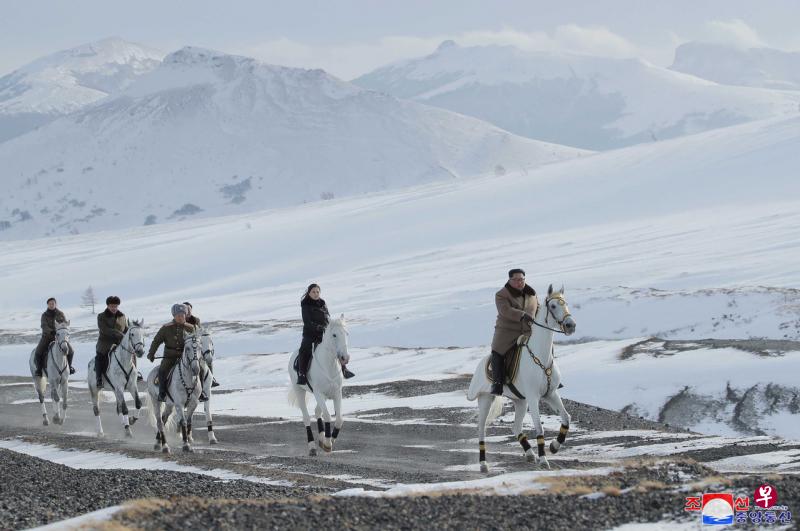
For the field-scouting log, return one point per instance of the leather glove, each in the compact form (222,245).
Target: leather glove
(527,319)
(151,356)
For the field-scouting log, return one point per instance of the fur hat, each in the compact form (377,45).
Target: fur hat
(178,308)
(112,299)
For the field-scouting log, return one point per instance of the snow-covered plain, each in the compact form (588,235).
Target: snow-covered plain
(692,238)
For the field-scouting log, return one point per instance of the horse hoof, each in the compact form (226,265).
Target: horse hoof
(128,434)
(157,446)
(312,452)
(553,448)
(132,420)
(165,450)
(188,449)
(212,440)
(484,467)
(543,463)
(530,457)
(45,422)
(100,434)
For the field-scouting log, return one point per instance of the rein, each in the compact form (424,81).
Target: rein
(187,389)
(548,371)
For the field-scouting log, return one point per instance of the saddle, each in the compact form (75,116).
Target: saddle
(511,361)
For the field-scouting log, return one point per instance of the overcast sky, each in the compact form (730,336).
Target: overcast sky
(350,37)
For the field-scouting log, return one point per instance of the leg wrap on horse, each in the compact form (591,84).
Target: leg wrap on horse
(327,430)
(481,451)
(96,411)
(123,408)
(540,445)
(309,434)
(523,441)
(335,433)
(562,434)
(319,425)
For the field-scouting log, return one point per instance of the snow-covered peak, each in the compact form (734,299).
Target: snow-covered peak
(70,79)
(731,65)
(579,100)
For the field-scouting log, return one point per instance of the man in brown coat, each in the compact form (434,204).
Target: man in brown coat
(171,335)
(516,306)
(50,317)
(112,325)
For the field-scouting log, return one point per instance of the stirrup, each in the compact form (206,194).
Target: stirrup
(202,398)
(347,373)
(301,379)
(497,389)
(71,369)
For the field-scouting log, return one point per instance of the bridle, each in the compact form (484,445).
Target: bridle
(560,330)
(189,389)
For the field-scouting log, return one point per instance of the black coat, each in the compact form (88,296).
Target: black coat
(315,318)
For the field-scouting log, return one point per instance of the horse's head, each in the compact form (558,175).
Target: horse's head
(336,333)
(62,336)
(191,346)
(206,345)
(136,336)
(558,311)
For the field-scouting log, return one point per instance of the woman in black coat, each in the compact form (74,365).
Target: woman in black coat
(315,319)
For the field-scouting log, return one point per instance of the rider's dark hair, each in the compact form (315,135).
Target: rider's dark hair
(51,299)
(112,299)
(308,290)
(189,304)
(515,271)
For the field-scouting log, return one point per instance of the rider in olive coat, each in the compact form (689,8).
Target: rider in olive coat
(50,317)
(171,335)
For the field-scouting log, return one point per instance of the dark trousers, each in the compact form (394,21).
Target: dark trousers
(163,373)
(306,347)
(100,365)
(41,351)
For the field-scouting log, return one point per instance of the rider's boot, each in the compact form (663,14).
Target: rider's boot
(99,381)
(214,382)
(498,373)
(162,389)
(301,378)
(203,397)
(346,372)
(70,355)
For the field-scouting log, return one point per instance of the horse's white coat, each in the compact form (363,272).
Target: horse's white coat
(57,375)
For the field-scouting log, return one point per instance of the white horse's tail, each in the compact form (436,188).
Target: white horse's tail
(292,397)
(150,404)
(495,410)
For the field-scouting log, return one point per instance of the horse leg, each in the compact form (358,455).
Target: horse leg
(320,425)
(40,385)
(212,439)
(484,404)
(95,393)
(184,432)
(533,405)
(137,402)
(64,393)
(122,411)
(326,442)
(337,410)
(300,393)
(56,402)
(555,402)
(520,408)
(161,440)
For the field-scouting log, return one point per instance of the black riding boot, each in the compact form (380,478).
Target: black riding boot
(346,372)
(39,356)
(100,366)
(498,373)
(304,361)
(70,355)
(214,382)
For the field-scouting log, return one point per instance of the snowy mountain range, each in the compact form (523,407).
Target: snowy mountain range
(589,102)
(729,65)
(69,80)
(207,133)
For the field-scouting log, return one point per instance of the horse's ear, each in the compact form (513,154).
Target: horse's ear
(550,290)
(562,289)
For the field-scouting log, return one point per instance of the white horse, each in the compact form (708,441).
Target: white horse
(183,392)
(121,376)
(57,375)
(538,378)
(325,382)
(206,359)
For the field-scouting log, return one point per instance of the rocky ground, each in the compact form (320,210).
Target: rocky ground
(651,467)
